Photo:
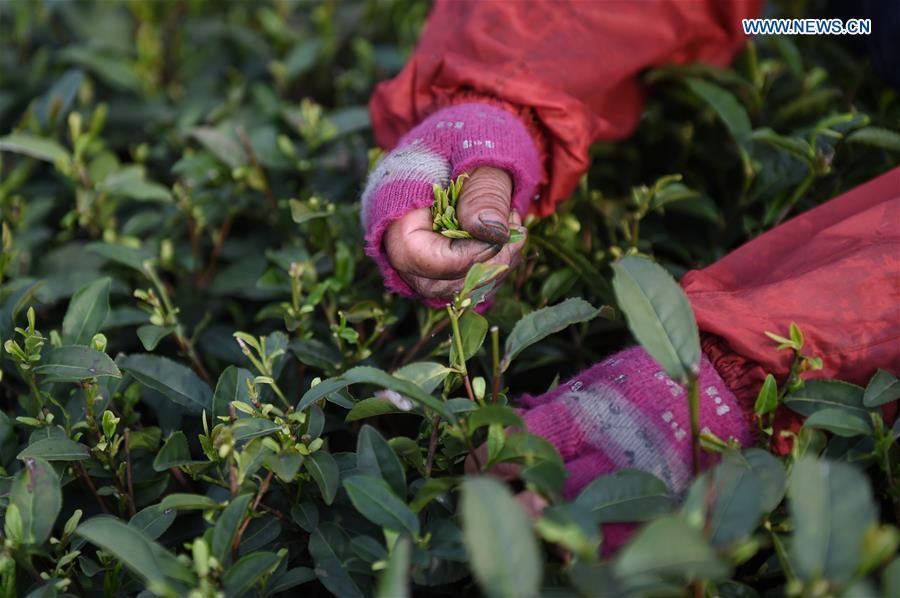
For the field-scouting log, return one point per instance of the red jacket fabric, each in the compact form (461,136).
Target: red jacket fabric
(571,69)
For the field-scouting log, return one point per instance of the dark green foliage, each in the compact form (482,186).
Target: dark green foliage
(205,387)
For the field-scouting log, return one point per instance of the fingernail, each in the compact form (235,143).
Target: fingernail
(498,230)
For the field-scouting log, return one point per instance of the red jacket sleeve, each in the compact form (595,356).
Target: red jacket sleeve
(569,68)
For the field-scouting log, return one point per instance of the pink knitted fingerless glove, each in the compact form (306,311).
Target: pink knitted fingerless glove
(626,412)
(453,140)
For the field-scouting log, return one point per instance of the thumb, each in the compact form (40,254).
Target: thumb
(484,201)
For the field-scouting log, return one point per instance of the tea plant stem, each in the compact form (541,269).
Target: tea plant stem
(87,480)
(781,553)
(263,488)
(457,338)
(267,191)
(178,476)
(131,506)
(694,404)
(432,445)
(188,348)
(216,252)
(426,336)
(28,375)
(184,343)
(495,353)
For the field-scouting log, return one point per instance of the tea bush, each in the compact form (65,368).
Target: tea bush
(207,391)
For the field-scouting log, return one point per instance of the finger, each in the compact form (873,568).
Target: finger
(432,288)
(484,201)
(413,248)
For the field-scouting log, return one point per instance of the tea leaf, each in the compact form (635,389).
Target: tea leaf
(394,582)
(659,316)
(177,382)
(627,495)
(883,388)
(541,323)
(39,148)
(375,457)
(839,422)
(150,335)
(876,137)
(153,520)
(75,362)
(827,394)
(247,571)
(472,328)
(330,567)
(188,502)
(324,470)
(126,543)
(375,500)
(831,505)
(727,108)
(670,547)
(502,549)
(175,452)
(56,449)
(86,313)
(36,494)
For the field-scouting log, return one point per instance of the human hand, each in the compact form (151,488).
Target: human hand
(435,266)
(495,149)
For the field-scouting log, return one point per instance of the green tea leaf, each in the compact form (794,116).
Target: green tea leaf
(371,408)
(375,500)
(883,388)
(427,375)
(120,254)
(188,502)
(876,137)
(86,313)
(56,449)
(375,457)
(175,452)
(131,546)
(39,148)
(839,422)
(767,399)
(177,382)
(394,582)
(832,508)
(486,415)
(248,570)
(502,549)
(150,335)
(670,547)
(659,315)
(36,493)
(324,470)
(726,107)
(330,567)
(541,323)
(572,527)
(73,363)
(132,182)
(472,329)
(374,376)
(153,520)
(827,394)
(232,386)
(627,495)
